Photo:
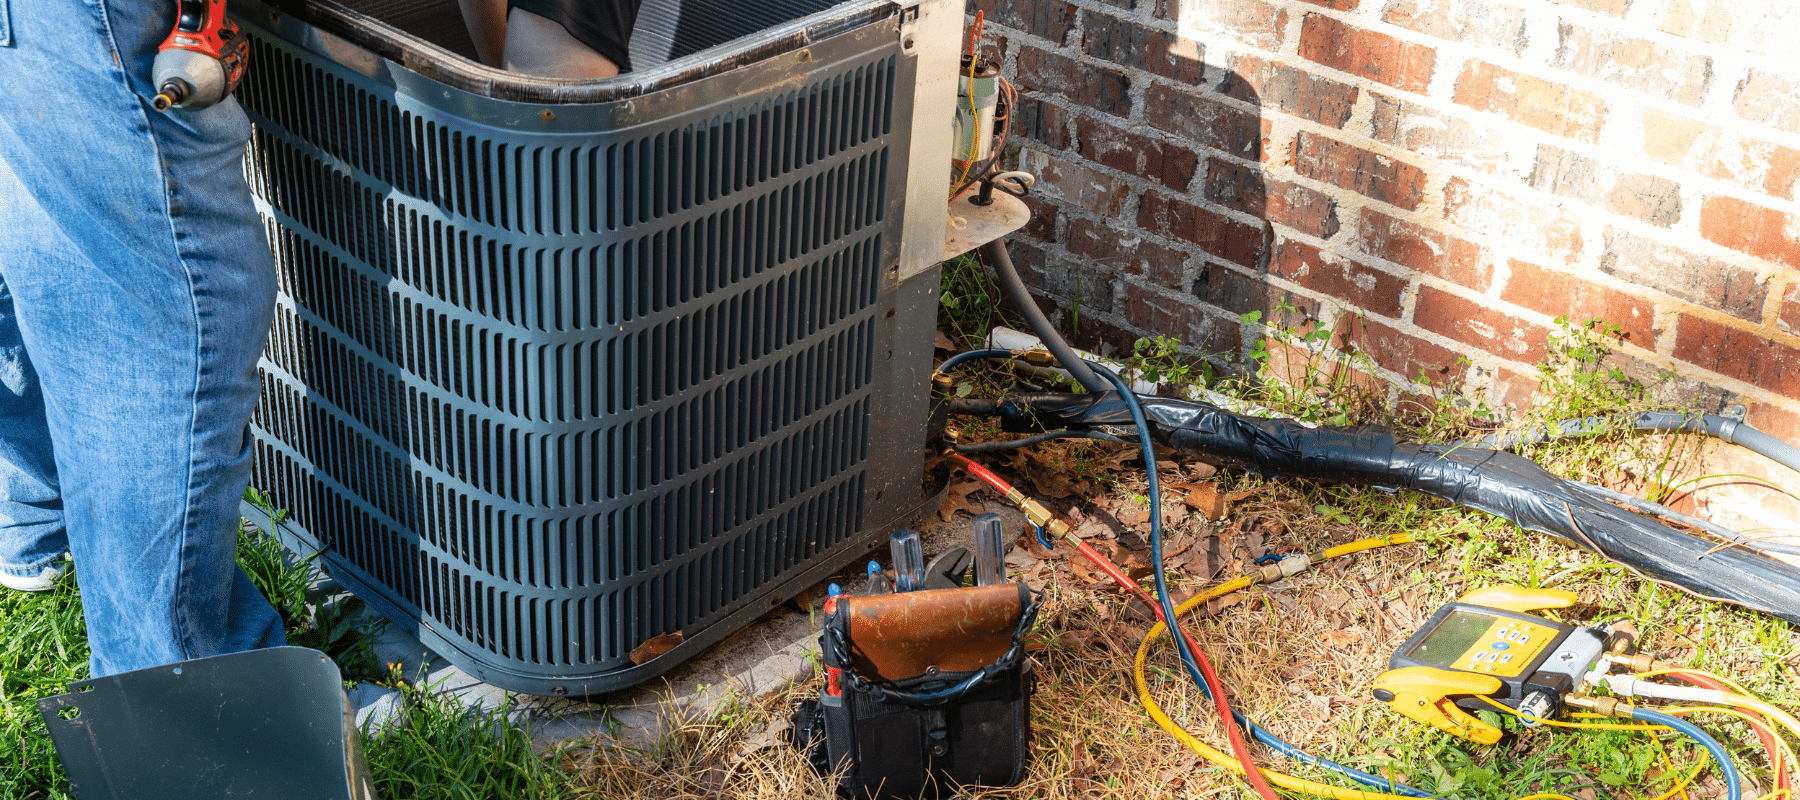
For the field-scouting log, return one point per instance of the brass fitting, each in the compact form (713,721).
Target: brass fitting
(941,382)
(1640,662)
(1605,706)
(1285,568)
(1039,358)
(1040,516)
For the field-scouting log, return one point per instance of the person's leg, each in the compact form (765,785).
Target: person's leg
(142,287)
(543,47)
(31,526)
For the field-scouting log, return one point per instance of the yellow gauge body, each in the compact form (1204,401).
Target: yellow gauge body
(1483,645)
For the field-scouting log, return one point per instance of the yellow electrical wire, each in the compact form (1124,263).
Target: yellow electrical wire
(1740,697)
(974,123)
(1767,709)
(1679,787)
(1682,786)
(1779,761)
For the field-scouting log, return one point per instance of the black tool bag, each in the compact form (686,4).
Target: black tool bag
(924,691)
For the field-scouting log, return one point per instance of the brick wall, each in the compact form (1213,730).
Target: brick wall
(1454,174)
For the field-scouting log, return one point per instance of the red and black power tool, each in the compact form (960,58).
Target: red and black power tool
(202,60)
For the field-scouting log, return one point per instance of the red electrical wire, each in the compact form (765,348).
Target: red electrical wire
(1239,748)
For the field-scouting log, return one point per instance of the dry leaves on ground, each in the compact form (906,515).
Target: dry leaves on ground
(956,498)
(655,646)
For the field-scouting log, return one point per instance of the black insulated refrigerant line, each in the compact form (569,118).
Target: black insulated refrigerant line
(1498,482)
(1481,477)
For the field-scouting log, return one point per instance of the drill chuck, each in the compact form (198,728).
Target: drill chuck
(201,61)
(172,94)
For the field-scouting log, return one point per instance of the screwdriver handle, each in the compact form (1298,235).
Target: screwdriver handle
(990,550)
(909,560)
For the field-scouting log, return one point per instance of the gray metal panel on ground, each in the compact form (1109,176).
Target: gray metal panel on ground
(266,723)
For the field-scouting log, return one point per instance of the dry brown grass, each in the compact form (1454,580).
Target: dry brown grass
(1298,656)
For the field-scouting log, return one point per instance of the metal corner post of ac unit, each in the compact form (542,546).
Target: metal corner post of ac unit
(925,27)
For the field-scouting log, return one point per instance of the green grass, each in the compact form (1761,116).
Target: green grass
(443,752)
(43,647)
(968,302)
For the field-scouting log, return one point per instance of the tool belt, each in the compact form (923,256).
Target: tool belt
(924,691)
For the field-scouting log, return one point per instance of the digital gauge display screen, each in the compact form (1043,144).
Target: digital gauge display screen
(1446,643)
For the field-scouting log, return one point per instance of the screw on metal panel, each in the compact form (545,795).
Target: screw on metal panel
(559,691)
(907,43)
(805,55)
(547,114)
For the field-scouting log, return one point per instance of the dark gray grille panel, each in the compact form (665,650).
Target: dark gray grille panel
(586,187)
(551,393)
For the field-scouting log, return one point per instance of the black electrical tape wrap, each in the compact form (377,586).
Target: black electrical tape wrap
(1498,482)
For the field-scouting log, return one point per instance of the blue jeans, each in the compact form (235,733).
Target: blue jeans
(136,289)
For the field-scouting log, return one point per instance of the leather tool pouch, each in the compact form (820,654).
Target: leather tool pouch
(926,690)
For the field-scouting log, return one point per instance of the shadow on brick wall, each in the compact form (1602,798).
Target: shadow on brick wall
(1156,212)
(1151,215)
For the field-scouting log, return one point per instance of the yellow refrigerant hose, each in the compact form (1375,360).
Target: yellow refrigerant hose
(1210,753)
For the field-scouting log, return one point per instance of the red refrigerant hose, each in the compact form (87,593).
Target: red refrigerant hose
(1238,747)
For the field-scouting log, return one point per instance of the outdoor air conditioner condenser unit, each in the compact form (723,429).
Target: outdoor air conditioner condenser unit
(559,368)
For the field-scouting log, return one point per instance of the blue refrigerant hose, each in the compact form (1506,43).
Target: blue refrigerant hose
(970,355)
(1192,667)
(1168,607)
(1712,745)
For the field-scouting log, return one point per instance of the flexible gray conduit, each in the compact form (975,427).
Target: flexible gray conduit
(1731,430)
(1501,483)
(1734,431)
(994,253)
